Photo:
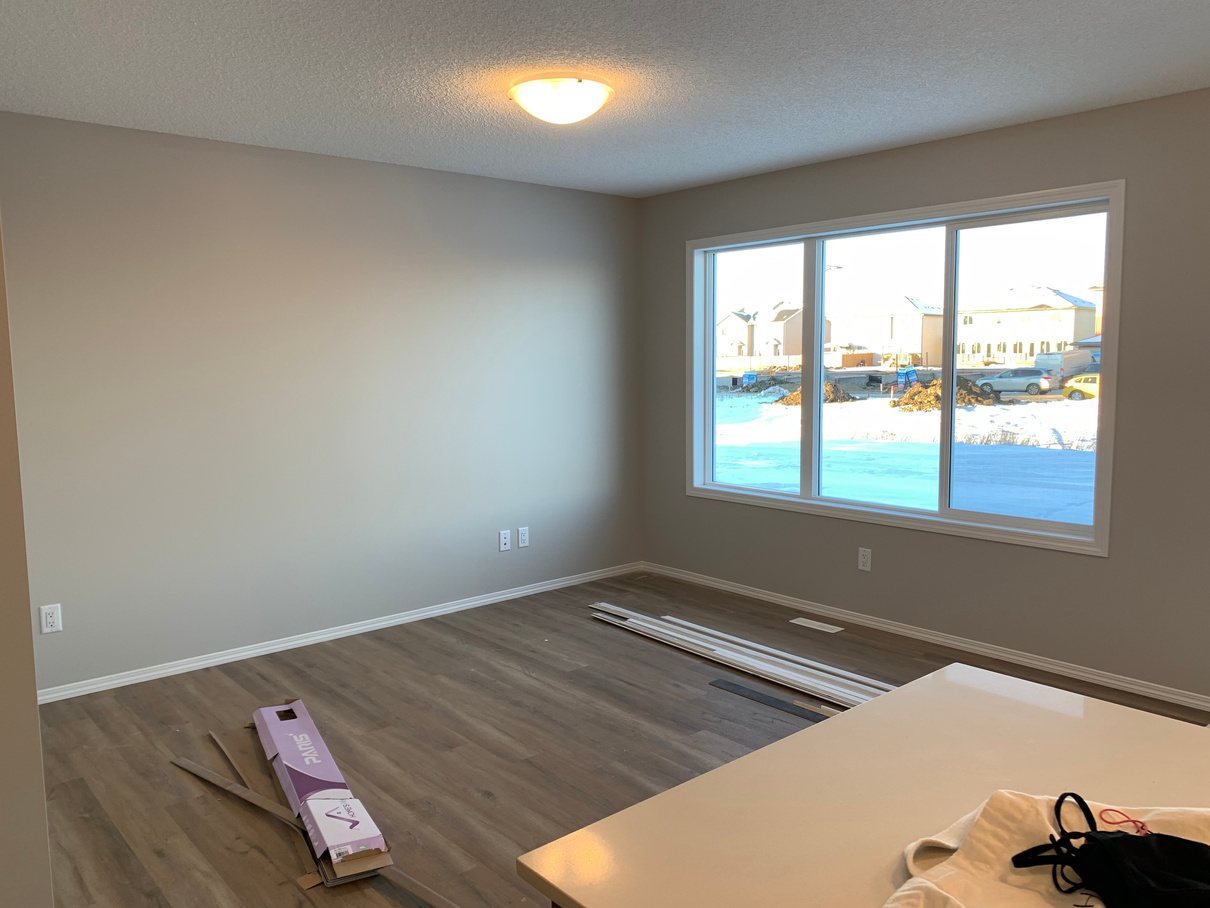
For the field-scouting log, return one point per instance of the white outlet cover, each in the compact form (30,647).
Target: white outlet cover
(51,618)
(505,540)
(522,537)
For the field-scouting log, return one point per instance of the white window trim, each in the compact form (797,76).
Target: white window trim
(700,364)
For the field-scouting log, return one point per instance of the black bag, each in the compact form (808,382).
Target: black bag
(1124,869)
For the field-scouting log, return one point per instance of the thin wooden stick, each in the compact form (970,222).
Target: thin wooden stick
(241,774)
(257,800)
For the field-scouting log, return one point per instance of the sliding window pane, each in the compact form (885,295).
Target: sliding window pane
(880,413)
(1028,347)
(758,316)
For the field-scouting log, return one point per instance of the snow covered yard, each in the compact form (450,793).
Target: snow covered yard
(1034,459)
(1066,424)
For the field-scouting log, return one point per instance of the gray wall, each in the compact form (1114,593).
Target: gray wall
(1141,612)
(24,844)
(261,393)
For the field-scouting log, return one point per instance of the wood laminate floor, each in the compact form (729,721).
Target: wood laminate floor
(472,738)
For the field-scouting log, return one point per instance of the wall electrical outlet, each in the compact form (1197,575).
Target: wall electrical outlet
(52,618)
(523,537)
(864,560)
(506,540)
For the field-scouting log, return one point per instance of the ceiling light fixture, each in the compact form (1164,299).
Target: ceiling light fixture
(561,99)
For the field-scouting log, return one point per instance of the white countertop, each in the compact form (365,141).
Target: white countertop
(822,817)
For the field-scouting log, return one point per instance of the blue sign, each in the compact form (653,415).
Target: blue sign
(912,378)
(901,379)
(749,378)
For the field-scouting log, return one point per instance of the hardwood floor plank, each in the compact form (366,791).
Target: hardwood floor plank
(133,801)
(92,862)
(253,858)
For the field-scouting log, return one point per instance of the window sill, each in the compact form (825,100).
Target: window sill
(1055,540)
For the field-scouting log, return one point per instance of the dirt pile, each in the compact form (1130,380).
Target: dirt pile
(927,396)
(921,397)
(832,394)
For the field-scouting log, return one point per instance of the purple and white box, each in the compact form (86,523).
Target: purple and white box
(298,755)
(341,828)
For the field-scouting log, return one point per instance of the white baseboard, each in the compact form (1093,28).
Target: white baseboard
(121,679)
(1055,666)
(1043,663)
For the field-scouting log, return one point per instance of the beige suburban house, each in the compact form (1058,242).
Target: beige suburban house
(1017,325)
(780,332)
(768,335)
(735,334)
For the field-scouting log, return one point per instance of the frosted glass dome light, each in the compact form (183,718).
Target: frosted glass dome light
(561,99)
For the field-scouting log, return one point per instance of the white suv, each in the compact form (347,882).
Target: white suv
(1031,381)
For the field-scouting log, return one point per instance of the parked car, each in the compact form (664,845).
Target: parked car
(1082,386)
(1064,364)
(1031,381)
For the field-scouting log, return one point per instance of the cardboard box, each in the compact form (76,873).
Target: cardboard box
(344,840)
(341,828)
(357,866)
(298,755)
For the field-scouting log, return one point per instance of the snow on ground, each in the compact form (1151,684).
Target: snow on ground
(1032,460)
(1067,424)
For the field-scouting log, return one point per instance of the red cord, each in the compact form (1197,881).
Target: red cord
(1139,826)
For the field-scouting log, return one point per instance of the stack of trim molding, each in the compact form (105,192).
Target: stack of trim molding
(833,685)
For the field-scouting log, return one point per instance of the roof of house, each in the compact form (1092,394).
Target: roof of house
(1094,341)
(925,308)
(1033,297)
(778,314)
(1076,301)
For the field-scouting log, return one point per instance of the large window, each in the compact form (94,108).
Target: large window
(947,368)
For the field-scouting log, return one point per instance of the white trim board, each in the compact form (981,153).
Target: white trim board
(1003,653)
(121,679)
(1055,666)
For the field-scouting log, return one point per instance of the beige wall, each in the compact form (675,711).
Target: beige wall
(234,427)
(261,393)
(1144,610)
(23,840)
(932,332)
(1085,324)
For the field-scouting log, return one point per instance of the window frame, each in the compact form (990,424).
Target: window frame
(1105,196)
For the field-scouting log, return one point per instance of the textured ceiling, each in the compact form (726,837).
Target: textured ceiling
(705,90)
